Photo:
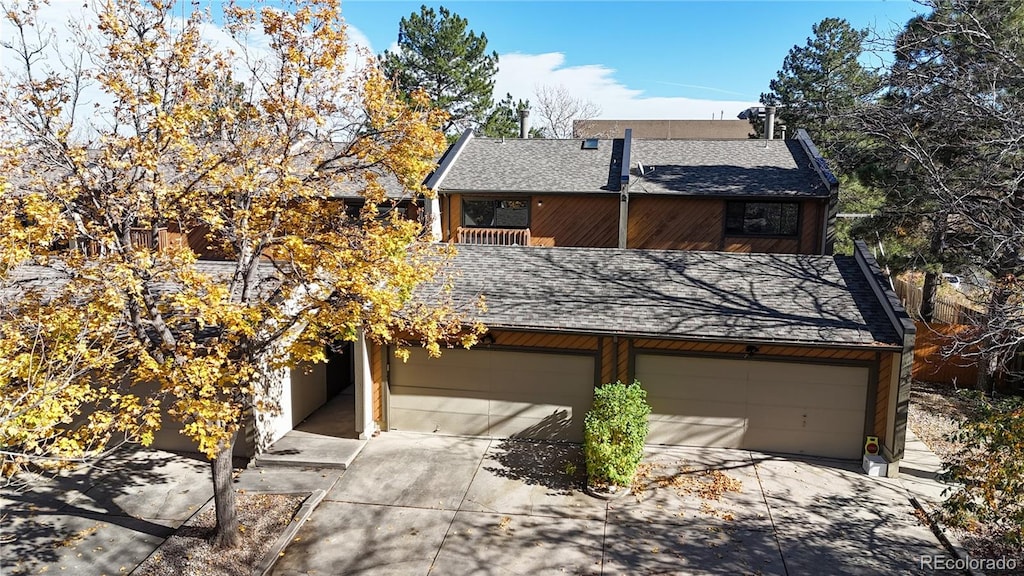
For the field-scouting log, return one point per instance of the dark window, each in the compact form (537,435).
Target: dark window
(761,218)
(487,213)
(590,144)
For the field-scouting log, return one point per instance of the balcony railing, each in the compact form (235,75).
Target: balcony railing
(139,237)
(494,236)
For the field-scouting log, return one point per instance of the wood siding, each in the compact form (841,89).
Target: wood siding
(377,371)
(607,360)
(544,340)
(761,245)
(667,223)
(812,219)
(881,407)
(589,221)
(655,222)
(763,350)
(622,361)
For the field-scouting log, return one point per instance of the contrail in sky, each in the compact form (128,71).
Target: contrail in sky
(703,88)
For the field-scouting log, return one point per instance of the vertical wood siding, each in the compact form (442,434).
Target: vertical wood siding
(672,223)
(377,360)
(588,221)
(655,222)
(882,396)
(811,216)
(607,360)
(622,361)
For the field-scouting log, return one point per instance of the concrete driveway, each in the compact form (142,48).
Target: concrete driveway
(105,518)
(422,504)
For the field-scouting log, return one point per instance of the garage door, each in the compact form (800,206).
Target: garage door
(492,393)
(773,406)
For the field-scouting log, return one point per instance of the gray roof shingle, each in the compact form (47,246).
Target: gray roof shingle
(725,168)
(677,167)
(784,298)
(535,165)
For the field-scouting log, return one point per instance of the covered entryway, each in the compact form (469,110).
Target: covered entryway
(797,408)
(492,393)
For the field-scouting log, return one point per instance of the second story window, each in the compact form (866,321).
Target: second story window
(762,218)
(495,213)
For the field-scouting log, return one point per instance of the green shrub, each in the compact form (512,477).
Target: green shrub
(614,432)
(989,471)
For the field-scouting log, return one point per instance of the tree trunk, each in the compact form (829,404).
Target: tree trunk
(928,294)
(991,360)
(936,248)
(988,367)
(226,534)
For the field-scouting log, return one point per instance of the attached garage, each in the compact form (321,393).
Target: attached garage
(493,393)
(783,353)
(798,408)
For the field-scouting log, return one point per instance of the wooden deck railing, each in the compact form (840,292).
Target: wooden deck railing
(140,237)
(494,236)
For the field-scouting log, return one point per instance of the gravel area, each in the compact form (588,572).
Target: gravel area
(936,411)
(187,553)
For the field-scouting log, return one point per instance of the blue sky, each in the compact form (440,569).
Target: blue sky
(640,59)
(633,60)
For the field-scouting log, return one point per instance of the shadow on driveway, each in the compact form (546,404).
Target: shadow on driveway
(102,518)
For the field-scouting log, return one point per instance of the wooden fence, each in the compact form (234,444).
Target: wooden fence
(947,310)
(932,361)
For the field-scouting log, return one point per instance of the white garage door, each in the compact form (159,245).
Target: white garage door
(774,406)
(492,393)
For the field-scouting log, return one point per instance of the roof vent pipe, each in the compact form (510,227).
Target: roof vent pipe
(769,123)
(524,125)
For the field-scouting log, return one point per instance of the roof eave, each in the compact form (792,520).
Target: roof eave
(874,346)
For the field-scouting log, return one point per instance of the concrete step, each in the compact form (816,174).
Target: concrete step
(298,449)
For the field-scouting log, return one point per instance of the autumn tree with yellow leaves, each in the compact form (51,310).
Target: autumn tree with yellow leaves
(103,214)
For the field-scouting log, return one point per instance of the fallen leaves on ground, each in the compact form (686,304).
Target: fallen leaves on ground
(263,517)
(706,484)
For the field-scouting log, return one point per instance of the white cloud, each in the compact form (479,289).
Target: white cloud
(518,74)
(58,19)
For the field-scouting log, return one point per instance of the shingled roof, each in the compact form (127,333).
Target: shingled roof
(725,168)
(732,168)
(777,298)
(535,165)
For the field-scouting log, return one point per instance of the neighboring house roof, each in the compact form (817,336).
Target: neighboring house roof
(719,296)
(733,168)
(690,129)
(48,281)
(350,188)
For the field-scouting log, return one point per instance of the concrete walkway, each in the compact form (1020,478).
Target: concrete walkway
(108,517)
(424,504)
(105,518)
(326,439)
(919,471)
(418,504)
